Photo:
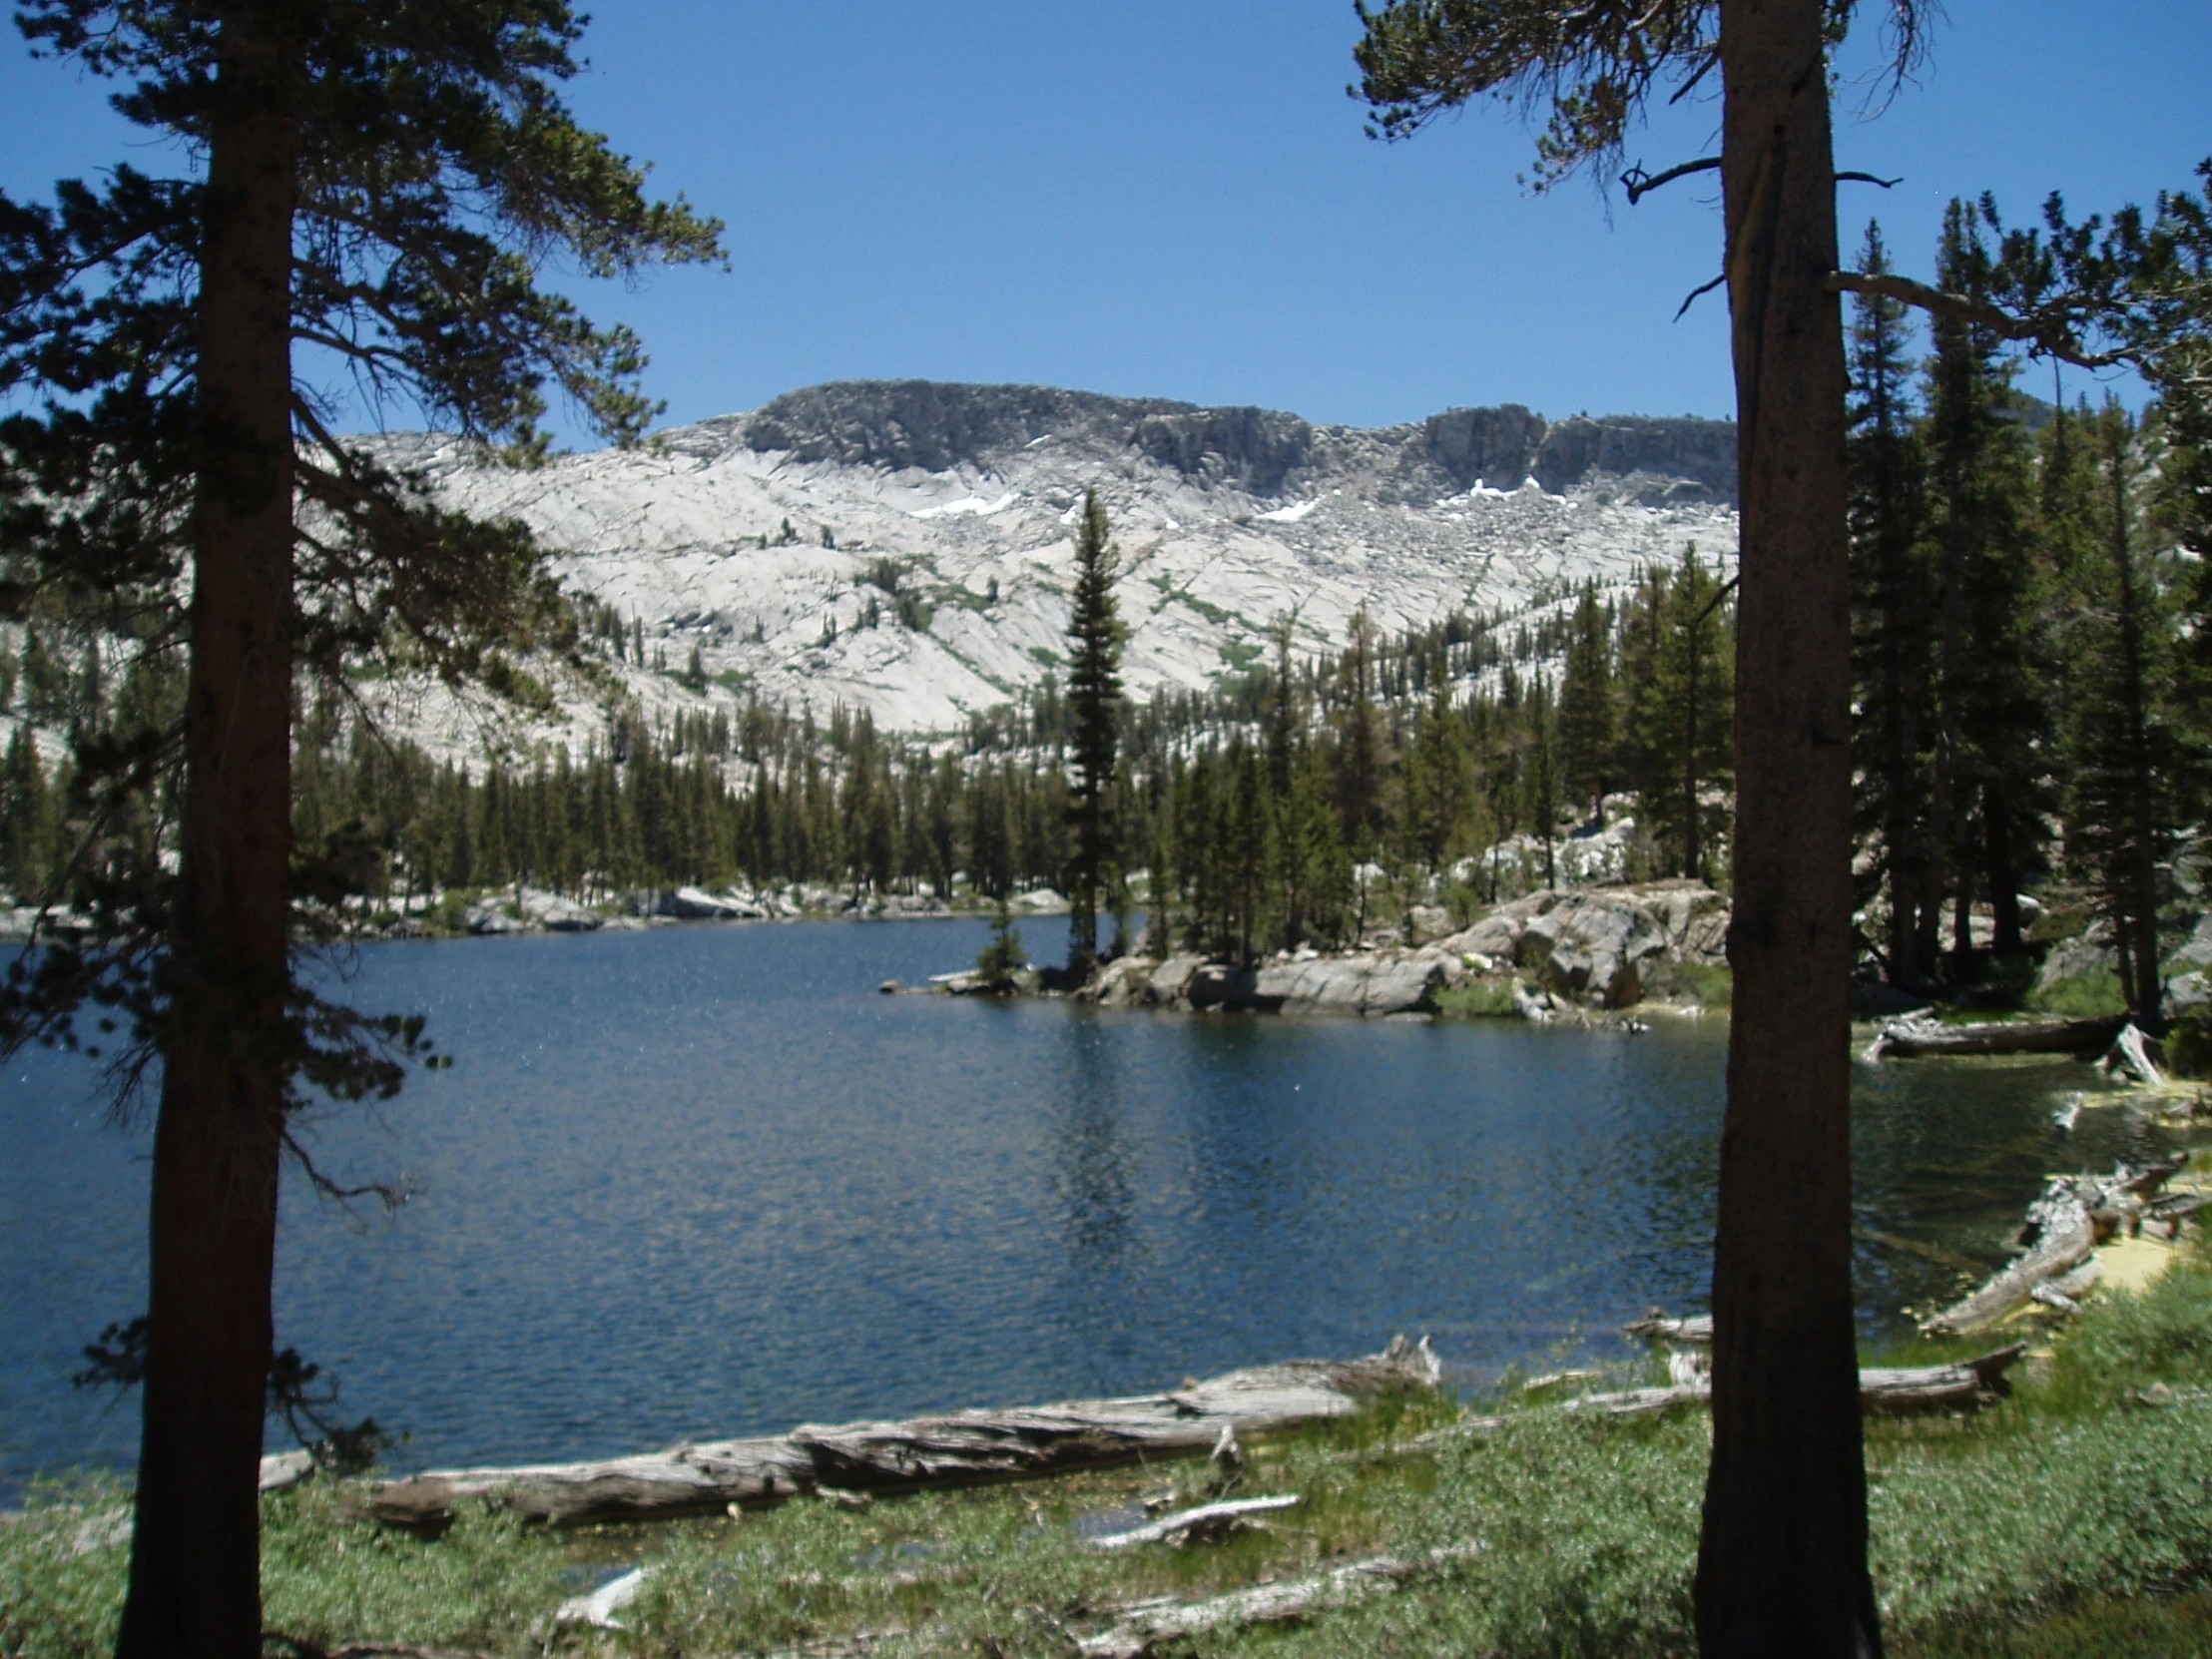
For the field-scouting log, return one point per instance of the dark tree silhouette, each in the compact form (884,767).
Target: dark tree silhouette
(376,184)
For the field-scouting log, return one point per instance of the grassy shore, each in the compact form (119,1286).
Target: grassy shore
(2070,1518)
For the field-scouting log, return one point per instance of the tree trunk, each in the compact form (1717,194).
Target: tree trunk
(1782,1559)
(194,1585)
(2139,925)
(2005,871)
(1689,769)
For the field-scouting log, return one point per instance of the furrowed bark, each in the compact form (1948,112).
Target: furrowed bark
(1781,1557)
(194,1585)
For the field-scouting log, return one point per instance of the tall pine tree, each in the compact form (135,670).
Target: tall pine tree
(1094,717)
(378,183)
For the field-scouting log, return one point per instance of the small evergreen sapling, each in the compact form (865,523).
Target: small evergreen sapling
(1003,957)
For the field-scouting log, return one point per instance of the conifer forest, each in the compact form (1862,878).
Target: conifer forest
(2030,718)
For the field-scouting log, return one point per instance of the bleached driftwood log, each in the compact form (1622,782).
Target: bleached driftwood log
(1904,1039)
(1656,1325)
(2067,1237)
(2063,1227)
(1146,1626)
(1881,1389)
(2131,1052)
(1207,1520)
(1889,1390)
(1896,1390)
(961,1449)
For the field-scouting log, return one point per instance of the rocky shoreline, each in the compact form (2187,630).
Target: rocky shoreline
(1550,955)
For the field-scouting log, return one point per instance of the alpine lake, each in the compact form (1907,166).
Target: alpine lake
(702,1181)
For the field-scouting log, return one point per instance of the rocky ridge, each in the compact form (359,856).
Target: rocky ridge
(766,540)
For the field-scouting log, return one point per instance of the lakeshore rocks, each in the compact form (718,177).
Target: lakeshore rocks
(1376,984)
(697,904)
(1609,945)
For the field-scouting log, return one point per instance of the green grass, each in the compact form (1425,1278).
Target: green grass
(2067,1520)
(2085,996)
(1478,999)
(1711,987)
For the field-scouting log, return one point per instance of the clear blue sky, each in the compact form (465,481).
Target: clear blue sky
(1177,200)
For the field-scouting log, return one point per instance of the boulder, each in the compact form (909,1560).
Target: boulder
(2089,951)
(1120,983)
(1221,986)
(1040,901)
(697,904)
(2195,952)
(1601,945)
(1428,921)
(1375,985)
(558,913)
(489,918)
(1170,979)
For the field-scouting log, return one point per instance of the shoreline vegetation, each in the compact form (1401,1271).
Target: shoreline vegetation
(2047,1491)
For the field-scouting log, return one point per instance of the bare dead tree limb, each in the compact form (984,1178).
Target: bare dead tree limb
(2048,335)
(1697,294)
(1640,184)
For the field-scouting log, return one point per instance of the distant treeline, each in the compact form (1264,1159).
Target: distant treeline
(1250,804)
(2034,633)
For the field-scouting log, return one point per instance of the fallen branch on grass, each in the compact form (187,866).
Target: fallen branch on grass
(962,1449)
(1890,1389)
(1145,1626)
(1207,1520)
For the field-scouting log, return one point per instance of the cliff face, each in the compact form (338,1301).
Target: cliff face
(903,546)
(895,425)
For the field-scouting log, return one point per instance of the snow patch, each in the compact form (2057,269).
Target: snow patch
(974,504)
(1287,515)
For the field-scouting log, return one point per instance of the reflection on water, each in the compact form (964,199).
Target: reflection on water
(706,1181)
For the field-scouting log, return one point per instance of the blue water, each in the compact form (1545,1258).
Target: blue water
(706,1181)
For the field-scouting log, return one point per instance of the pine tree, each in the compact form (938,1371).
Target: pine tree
(45,682)
(1782,1559)
(1892,640)
(1364,756)
(1992,655)
(2122,730)
(1540,774)
(1004,957)
(26,827)
(1688,737)
(383,182)
(1586,743)
(1094,717)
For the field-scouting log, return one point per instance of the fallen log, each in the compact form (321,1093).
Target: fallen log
(1207,1520)
(2131,1052)
(1906,1039)
(1890,1389)
(1656,1326)
(2073,1215)
(962,1449)
(1146,1626)
(1894,1391)
(2068,1236)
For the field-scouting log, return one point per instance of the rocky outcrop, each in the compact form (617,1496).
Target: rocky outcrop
(937,427)
(1372,984)
(1602,946)
(697,904)
(1502,447)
